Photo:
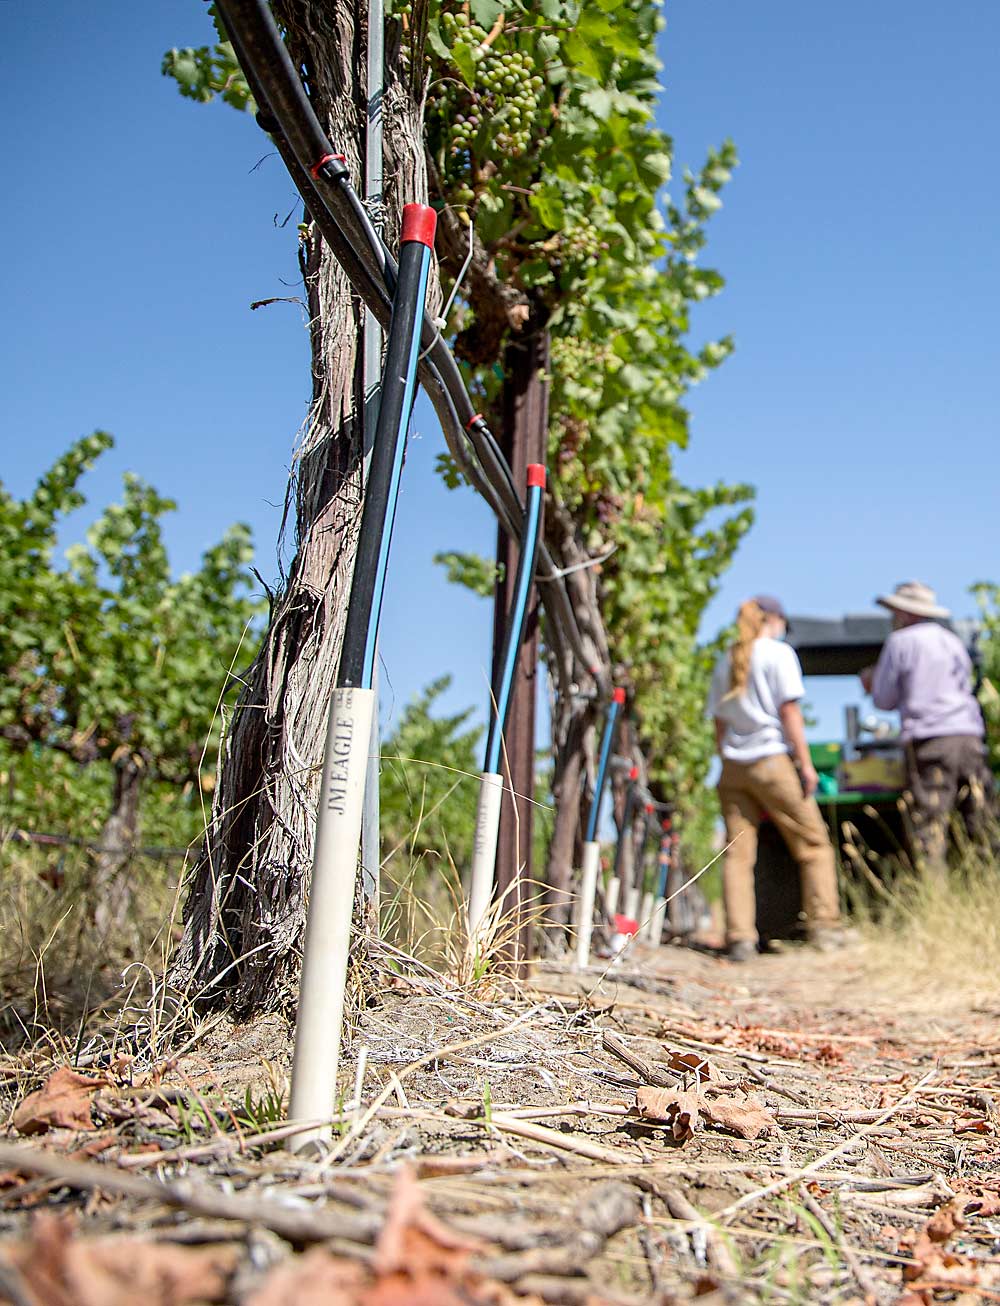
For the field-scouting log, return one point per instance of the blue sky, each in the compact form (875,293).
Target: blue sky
(856,238)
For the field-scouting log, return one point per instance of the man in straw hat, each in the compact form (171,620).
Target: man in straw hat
(925,673)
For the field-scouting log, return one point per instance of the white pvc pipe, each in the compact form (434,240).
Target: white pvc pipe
(656,924)
(645,914)
(588,891)
(484,849)
(331,905)
(632,904)
(611,894)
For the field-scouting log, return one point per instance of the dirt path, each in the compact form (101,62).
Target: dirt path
(789,1130)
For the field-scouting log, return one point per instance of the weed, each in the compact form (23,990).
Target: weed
(258,1113)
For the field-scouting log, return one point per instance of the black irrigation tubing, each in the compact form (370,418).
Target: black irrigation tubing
(514,634)
(399,377)
(607,742)
(628,816)
(644,842)
(664,858)
(322,179)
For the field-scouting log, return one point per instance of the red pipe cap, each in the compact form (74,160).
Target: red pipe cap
(634,773)
(618,696)
(536,475)
(419,223)
(327,158)
(649,809)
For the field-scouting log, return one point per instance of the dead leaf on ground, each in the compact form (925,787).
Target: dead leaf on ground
(935,1267)
(746,1119)
(22,1191)
(683,1112)
(670,1106)
(63,1102)
(985,1204)
(316,1278)
(418,1261)
(414,1238)
(56,1268)
(946,1221)
(973,1125)
(690,1063)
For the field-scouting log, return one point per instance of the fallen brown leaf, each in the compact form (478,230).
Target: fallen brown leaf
(746,1119)
(987,1204)
(418,1261)
(936,1267)
(58,1269)
(316,1278)
(973,1125)
(690,1063)
(670,1106)
(35,1193)
(414,1240)
(946,1221)
(63,1102)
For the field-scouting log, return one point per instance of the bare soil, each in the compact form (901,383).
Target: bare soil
(805,1132)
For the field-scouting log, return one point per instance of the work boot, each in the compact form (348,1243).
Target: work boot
(741,950)
(829,938)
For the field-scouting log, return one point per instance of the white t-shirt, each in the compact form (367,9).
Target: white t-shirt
(753,726)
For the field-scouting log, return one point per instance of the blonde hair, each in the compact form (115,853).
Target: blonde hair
(749,627)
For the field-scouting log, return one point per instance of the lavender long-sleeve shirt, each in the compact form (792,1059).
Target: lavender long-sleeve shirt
(925,672)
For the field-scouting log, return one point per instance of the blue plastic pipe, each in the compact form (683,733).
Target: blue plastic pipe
(607,739)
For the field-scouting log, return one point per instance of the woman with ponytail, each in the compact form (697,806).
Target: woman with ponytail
(766,767)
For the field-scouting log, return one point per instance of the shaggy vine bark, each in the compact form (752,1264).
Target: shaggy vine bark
(245,910)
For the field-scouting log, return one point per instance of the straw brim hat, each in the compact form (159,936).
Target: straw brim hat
(916,599)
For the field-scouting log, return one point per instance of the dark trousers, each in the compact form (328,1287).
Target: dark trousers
(948,775)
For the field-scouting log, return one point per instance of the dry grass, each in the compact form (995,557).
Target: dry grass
(72,995)
(936,936)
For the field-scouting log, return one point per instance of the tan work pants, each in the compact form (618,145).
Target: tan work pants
(746,791)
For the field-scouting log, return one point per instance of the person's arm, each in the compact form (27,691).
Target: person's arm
(795,733)
(720,734)
(884,685)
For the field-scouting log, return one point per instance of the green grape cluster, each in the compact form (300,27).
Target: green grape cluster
(506,94)
(577,358)
(583,241)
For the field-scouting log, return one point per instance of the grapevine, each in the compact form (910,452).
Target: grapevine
(540,132)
